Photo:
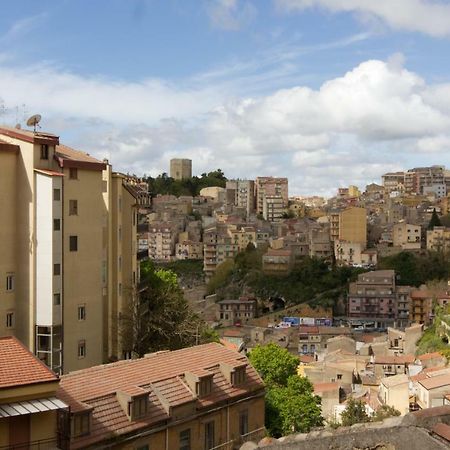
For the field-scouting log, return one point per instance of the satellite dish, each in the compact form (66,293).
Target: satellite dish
(33,121)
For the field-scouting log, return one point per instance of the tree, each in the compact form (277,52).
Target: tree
(158,317)
(291,405)
(274,364)
(434,221)
(355,412)
(385,411)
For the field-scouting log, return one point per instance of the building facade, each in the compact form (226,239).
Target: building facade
(56,249)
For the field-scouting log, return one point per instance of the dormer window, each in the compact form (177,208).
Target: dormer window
(138,407)
(81,423)
(204,386)
(238,376)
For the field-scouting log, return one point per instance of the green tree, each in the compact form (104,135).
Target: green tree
(221,276)
(158,317)
(355,412)
(385,411)
(274,364)
(434,221)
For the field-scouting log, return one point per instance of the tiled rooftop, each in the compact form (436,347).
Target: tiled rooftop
(19,367)
(163,375)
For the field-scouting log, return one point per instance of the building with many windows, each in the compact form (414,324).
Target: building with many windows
(67,249)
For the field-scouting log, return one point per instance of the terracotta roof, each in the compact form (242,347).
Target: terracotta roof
(389,359)
(395,380)
(18,366)
(436,382)
(425,373)
(229,345)
(427,356)
(442,430)
(162,374)
(29,135)
(69,157)
(325,387)
(233,333)
(306,359)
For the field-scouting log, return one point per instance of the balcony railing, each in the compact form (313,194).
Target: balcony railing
(255,436)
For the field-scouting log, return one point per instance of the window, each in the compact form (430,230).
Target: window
(73,243)
(81,424)
(243,422)
(81,312)
(185,440)
(10,282)
(138,407)
(209,435)
(73,207)
(44,151)
(56,224)
(73,173)
(56,195)
(10,320)
(56,269)
(339,376)
(81,349)
(120,263)
(238,376)
(120,289)
(56,299)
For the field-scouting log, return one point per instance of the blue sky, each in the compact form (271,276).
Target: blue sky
(326,92)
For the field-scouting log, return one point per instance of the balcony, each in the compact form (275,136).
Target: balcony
(254,436)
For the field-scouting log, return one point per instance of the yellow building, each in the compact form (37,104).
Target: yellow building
(438,239)
(196,398)
(28,406)
(56,249)
(353,225)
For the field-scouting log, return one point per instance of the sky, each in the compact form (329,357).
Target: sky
(325,92)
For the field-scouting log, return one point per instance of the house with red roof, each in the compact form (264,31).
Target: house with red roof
(206,396)
(28,403)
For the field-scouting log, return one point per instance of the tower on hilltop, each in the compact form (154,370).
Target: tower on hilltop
(180,168)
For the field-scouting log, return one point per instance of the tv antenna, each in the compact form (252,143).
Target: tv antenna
(33,121)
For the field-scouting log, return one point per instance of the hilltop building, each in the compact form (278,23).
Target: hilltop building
(180,169)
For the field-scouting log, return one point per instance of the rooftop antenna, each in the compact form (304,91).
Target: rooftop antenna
(33,121)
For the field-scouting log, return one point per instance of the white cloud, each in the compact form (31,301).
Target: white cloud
(377,117)
(430,17)
(23,26)
(230,15)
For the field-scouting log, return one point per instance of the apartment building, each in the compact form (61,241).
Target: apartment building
(162,237)
(120,269)
(28,406)
(189,250)
(393,181)
(55,251)
(407,236)
(196,398)
(438,239)
(420,177)
(374,298)
(232,311)
(271,197)
(224,241)
(180,168)
(242,194)
(349,224)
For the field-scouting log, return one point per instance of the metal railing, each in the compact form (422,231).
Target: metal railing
(255,435)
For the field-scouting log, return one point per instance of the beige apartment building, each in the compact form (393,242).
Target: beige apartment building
(242,194)
(438,239)
(180,168)
(406,236)
(271,196)
(56,253)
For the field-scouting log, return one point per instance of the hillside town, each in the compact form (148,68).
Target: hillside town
(84,221)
